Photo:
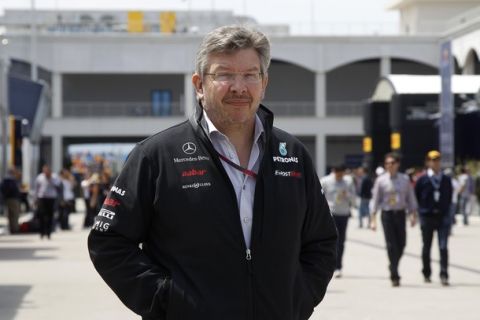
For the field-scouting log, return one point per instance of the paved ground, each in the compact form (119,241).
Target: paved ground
(41,279)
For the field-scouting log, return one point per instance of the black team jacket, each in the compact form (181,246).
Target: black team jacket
(169,242)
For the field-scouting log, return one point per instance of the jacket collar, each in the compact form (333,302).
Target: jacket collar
(265,115)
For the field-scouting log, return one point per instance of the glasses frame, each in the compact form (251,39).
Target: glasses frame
(231,77)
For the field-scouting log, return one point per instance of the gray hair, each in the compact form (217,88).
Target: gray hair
(228,39)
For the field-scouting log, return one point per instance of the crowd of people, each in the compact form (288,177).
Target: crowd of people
(430,196)
(52,198)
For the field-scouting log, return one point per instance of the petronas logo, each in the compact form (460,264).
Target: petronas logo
(282,147)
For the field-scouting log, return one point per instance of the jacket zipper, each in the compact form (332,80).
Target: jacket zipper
(248,258)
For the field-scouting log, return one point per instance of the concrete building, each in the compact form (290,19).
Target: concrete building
(108,82)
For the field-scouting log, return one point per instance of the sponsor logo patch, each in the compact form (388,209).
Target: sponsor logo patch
(285,160)
(292,174)
(118,191)
(282,148)
(196,185)
(191,159)
(193,172)
(107,214)
(101,226)
(189,148)
(111,202)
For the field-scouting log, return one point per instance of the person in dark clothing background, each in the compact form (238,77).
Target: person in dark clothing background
(434,195)
(11,195)
(222,216)
(365,195)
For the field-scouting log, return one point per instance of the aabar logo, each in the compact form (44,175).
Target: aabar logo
(117,190)
(189,148)
(193,172)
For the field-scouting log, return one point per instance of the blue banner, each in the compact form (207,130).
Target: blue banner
(446,130)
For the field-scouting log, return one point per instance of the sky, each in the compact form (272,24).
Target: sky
(303,16)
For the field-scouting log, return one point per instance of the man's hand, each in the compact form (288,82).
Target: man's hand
(413,219)
(373,223)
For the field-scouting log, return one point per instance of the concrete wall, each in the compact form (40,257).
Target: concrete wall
(353,82)
(290,82)
(432,17)
(338,147)
(119,88)
(400,66)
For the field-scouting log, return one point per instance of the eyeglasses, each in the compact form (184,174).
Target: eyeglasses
(390,162)
(230,77)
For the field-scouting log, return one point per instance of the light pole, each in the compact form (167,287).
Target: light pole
(4,65)
(33,42)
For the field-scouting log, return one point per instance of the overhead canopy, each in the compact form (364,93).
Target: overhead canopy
(419,84)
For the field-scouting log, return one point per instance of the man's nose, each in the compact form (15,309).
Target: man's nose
(238,84)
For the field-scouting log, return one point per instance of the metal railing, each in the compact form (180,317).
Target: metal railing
(122,109)
(344,108)
(291,108)
(147,109)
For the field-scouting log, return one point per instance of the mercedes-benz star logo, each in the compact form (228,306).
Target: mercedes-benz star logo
(189,148)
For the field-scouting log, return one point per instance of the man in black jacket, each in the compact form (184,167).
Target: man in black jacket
(434,196)
(222,216)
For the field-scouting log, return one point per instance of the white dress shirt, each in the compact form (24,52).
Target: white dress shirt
(243,184)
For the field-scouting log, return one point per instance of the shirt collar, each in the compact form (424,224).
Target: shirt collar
(210,128)
(431,173)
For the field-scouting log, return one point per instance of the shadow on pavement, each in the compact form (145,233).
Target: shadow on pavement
(417,256)
(363,277)
(24,254)
(13,239)
(11,299)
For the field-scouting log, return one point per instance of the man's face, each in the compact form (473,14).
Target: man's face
(391,165)
(46,170)
(435,164)
(339,174)
(231,103)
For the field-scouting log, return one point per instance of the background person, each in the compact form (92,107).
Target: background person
(393,195)
(11,195)
(46,192)
(434,195)
(340,194)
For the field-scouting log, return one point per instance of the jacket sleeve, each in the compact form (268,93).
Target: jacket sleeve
(114,243)
(319,240)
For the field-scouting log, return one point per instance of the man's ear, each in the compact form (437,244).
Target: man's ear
(264,84)
(198,84)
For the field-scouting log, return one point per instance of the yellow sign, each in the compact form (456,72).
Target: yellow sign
(135,21)
(168,21)
(395,141)
(367,144)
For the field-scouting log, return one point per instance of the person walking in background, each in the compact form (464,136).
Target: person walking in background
(221,216)
(365,194)
(393,194)
(66,198)
(340,194)
(465,181)
(455,191)
(46,193)
(11,195)
(434,194)
(87,194)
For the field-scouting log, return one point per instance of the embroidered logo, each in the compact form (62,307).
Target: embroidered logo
(282,148)
(189,148)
